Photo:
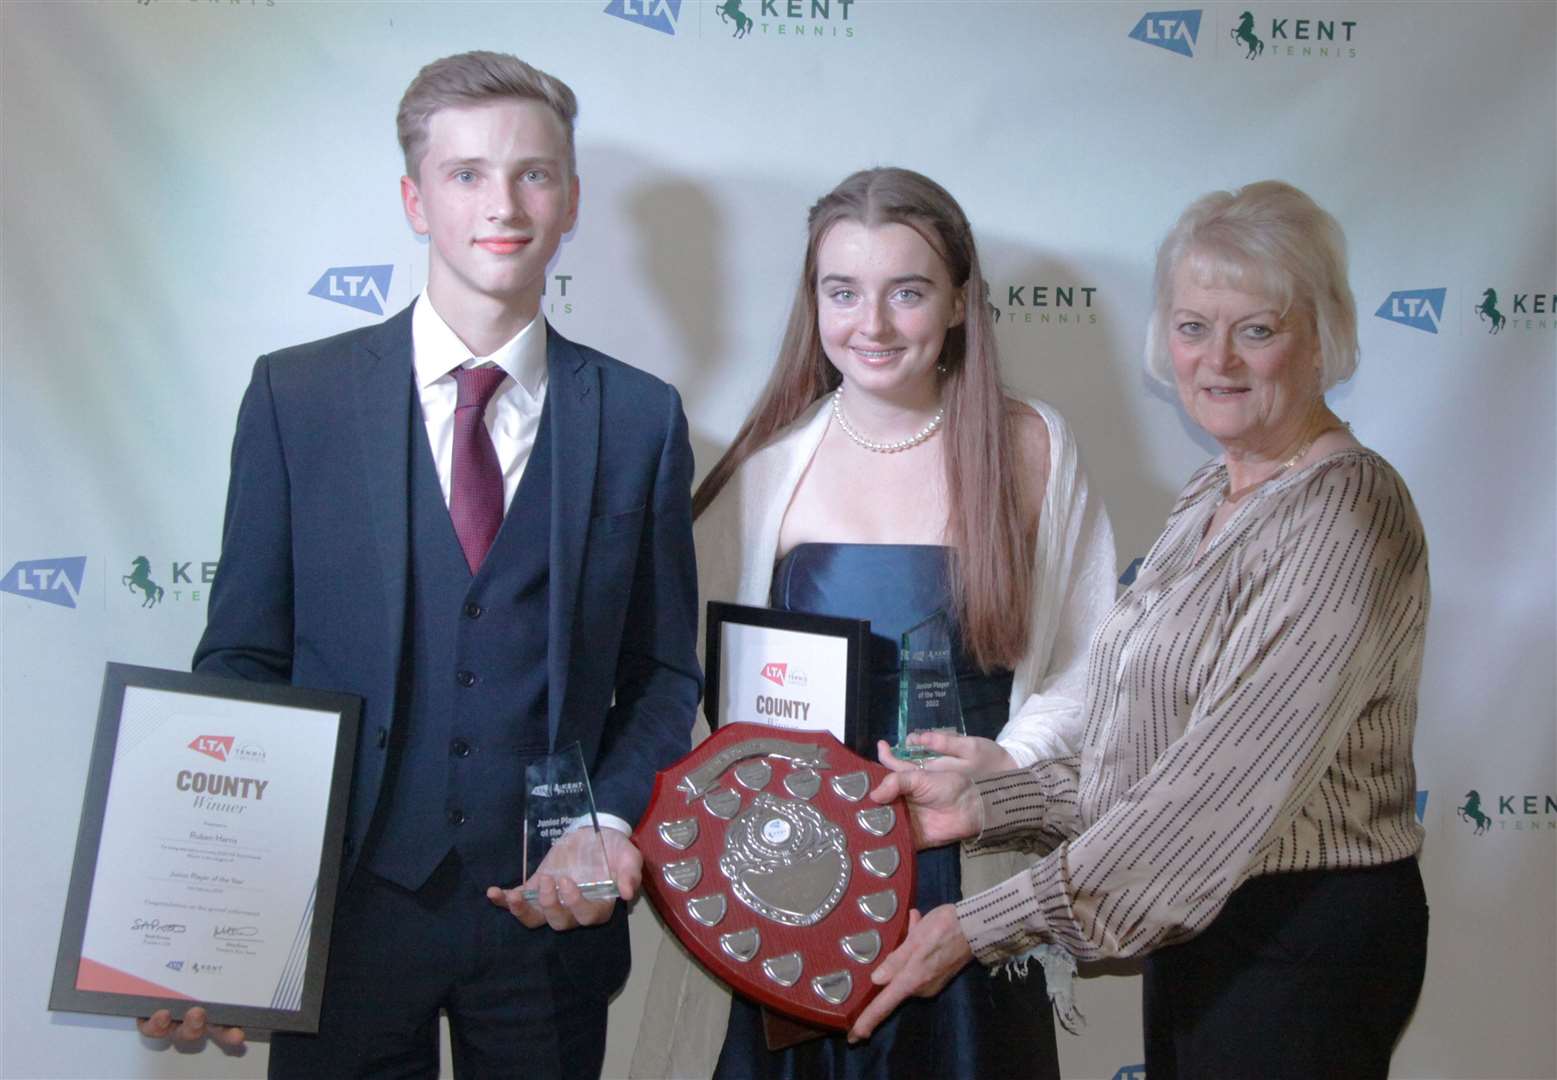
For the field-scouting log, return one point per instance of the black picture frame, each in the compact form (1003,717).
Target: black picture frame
(856,632)
(65,994)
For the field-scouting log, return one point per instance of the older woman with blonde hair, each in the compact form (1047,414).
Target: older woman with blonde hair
(1242,808)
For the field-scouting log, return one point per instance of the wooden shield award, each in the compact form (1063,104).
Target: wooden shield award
(764,854)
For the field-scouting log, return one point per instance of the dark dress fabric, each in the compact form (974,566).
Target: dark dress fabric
(981,1025)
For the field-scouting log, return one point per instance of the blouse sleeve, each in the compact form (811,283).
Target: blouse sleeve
(1311,629)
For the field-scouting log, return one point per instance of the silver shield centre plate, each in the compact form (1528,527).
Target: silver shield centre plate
(786,861)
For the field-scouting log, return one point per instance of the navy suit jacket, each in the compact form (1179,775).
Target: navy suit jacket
(313,579)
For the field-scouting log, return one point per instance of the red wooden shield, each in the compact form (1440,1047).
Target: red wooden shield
(765,855)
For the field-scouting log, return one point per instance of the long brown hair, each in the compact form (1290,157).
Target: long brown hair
(988,519)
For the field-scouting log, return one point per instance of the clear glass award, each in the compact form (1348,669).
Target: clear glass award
(927,685)
(560,821)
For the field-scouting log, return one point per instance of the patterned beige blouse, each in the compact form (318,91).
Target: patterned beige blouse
(1248,712)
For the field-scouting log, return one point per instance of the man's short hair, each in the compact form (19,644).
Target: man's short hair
(475,78)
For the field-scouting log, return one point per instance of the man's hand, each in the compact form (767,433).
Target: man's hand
(942,806)
(193,1028)
(934,951)
(971,754)
(559,904)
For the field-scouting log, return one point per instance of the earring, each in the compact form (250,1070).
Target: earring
(941,369)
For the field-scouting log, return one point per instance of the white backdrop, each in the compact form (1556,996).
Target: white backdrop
(180,175)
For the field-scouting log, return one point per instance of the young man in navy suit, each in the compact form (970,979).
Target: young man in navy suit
(484,530)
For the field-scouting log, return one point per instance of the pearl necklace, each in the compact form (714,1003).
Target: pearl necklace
(884,447)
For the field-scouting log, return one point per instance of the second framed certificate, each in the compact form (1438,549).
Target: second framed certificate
(789,670)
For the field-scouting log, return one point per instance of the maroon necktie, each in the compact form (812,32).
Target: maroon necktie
(476,489)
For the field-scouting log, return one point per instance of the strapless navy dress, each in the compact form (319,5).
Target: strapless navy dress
(980,1026)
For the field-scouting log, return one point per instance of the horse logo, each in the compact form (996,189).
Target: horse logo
(140,578)
(1471,812)
(1488,309)
(1244,34)
(731,9)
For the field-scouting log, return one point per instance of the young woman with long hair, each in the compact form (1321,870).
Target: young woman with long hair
(885,473)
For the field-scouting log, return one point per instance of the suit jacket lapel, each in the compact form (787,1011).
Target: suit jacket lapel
(574,398)
(381,390)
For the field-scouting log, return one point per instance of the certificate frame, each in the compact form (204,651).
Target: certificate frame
(307,951)
(851,636)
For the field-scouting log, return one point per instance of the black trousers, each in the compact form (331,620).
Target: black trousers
(397,958)
(1302,975)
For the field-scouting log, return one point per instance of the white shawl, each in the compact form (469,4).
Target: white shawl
(687,1011)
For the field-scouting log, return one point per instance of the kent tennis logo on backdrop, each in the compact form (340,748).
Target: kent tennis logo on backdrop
(658,15)
(180,581)
(1043,304)
(785,19)
(360,287)
(1514,812)
(1420,309)
(1175,31)
(1523,310)
(557,294)
(1287,36)
(52,581)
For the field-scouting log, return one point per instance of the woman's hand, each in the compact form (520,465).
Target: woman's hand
(934,951)
(942,806)
(971,754)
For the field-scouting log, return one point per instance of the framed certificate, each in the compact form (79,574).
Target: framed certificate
(789,670)
(209,851)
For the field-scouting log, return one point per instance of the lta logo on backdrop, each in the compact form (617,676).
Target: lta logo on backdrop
(53,581)
(1175,31)
(1420,309)
(1517,310)
(658,15)
(360,287)
(1299,38)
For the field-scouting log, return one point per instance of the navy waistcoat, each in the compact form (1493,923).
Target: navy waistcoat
(473,683)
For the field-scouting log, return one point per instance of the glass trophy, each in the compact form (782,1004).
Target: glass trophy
(559,820)
(927,685)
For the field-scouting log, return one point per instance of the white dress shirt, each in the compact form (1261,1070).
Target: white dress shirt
(513,416)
